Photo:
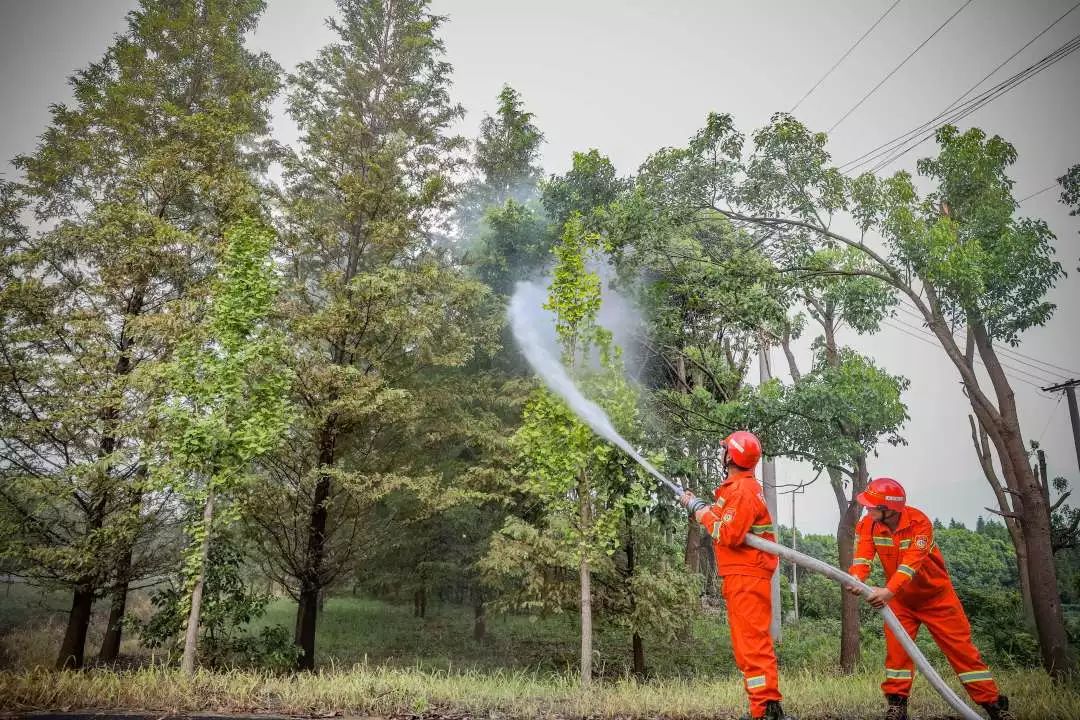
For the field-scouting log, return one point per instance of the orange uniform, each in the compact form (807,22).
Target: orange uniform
(915,572)
(747,574)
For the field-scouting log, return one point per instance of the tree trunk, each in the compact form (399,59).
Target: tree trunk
(420,603)
(1034,515)
(307,615)
(479,619)
(639,656)
(74,643)
(845,541)
(300,613)
(110,644)
(694,543)
(586,621)
(850,511)
(584,572)
(980,439)
(768,482)
(692,555)
(73,646)
(638,648)
(191,639)
(312,580)
(1023,574)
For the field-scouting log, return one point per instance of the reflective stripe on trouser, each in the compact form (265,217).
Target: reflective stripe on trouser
(944,617)
(749,606)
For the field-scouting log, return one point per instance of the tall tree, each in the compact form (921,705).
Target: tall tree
(132,184)
(371,302)
(505,159)
(578,477)
(225,402)
(502,221)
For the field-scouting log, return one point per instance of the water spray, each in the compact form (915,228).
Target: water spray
(527,332)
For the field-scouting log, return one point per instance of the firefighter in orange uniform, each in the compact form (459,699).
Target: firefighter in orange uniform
(920,592)
(747,573)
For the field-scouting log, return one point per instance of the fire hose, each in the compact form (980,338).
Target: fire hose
(887,614)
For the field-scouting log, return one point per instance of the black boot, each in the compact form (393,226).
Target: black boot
(773,711)
(999,709)
(897,707)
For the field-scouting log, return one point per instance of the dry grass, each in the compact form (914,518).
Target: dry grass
(385,691)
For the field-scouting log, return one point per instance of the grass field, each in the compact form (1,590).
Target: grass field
(376,658)
(383,691)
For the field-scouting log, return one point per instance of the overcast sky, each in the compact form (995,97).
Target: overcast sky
(628,77)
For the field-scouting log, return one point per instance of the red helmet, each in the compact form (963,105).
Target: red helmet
(883,492)
(743,448)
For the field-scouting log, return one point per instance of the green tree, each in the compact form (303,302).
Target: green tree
(505,159)
(591,183)
(132,185)
(578,478)
(753,294)
(372,305)
(701,312)
(225,402)
(515,242)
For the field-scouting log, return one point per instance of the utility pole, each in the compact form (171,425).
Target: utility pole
(794,546)
(768,484)
(1069,388)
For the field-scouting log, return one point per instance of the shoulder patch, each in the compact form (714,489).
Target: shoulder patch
(728,516)
(921,541)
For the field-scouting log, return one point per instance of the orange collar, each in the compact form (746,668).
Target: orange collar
(905,520)
(738,474)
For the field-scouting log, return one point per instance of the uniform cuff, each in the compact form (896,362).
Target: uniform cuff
(900,578)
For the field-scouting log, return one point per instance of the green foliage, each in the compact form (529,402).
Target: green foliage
(514,242)
(225,403)
(964,239)
(788,171)
(225,400)
(502,222)
(505,158)
(591,183)
(575,291)
(836,412)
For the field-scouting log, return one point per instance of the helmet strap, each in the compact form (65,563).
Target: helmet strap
(889,517)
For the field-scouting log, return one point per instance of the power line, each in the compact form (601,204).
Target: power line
(1018,374)
(843,57)
(892,72)
(972,105)
(1026,374)
(1012,353)
(1050,419)
(1042,374)
(1034,194)
(899,140)
(926,340)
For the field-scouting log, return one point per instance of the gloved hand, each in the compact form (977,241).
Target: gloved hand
(692,503)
